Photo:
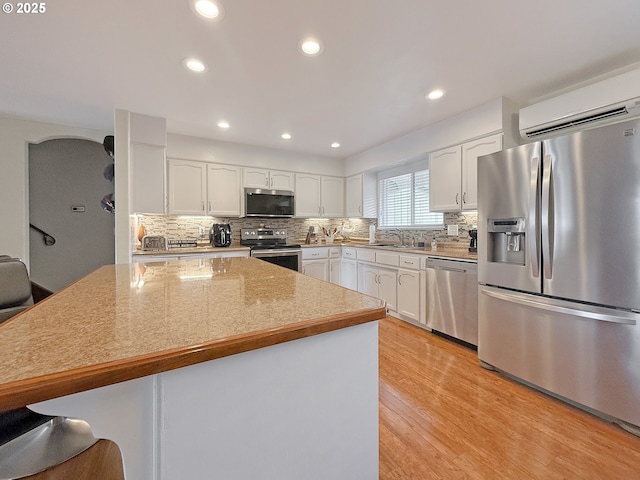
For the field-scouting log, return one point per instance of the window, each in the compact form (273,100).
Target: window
(404,199)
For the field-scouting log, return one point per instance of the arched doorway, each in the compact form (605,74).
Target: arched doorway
(66,186)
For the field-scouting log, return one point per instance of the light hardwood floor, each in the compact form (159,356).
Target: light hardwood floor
(442,416)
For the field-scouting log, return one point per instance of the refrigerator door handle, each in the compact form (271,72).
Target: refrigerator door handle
(534,231)
(547,216)
(561,306)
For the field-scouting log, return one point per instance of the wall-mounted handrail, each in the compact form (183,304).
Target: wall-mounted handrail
(48,239)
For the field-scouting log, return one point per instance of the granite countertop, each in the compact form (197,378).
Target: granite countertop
(448,249)
(127,321)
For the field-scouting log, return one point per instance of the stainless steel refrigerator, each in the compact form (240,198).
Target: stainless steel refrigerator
(559,267)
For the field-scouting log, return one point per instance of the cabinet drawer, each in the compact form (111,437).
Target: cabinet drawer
(387,258)
(334,252)
(366,255)
(349,253)
(314,253)
(410,262)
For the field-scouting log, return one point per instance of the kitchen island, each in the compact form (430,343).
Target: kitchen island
(232,368)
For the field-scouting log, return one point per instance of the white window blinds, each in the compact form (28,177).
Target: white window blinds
(404,201)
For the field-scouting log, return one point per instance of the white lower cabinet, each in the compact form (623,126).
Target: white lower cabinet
(334,265)
(409,294)
(315,262)
(390,276)
(316,268)
(335,270)
(379,282)
(349,268)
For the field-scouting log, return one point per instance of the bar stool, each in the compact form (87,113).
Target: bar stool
(31,442)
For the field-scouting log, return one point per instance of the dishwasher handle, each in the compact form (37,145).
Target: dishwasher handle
(452,266)
(449,269)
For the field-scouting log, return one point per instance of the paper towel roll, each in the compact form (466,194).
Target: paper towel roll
(372,234)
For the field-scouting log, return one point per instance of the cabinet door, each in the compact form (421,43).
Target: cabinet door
(470,153)
(348,274)
(445,180)
(281,180)
(332,197)
(187,187)
(147,178)
(334,271)
(256,177)
(316,269)
(353,195)
(368,279)
(223,190)
(387,290)
(361,196)
(307,195)
(409,294)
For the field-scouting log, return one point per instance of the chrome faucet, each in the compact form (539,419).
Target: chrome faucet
(400,235)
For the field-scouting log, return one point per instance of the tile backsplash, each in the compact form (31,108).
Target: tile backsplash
(180,227)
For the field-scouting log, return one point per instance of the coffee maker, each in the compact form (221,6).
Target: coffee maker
(473,243)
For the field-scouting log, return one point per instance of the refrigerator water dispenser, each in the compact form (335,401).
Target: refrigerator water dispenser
(506,240)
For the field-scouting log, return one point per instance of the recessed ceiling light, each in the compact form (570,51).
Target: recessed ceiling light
(194,64)
(286,136)
(208,8)
(311,46)
(435,94)
(335,145)
(223,124)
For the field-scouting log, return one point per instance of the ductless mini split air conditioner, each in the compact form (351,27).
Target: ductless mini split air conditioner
(614,99)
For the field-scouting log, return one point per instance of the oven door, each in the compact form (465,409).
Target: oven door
(290,258)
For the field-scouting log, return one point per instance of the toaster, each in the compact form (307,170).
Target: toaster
(154,242)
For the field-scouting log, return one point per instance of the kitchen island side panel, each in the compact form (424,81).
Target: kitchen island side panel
(307,408)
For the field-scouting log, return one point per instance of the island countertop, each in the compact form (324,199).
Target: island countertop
(127,321)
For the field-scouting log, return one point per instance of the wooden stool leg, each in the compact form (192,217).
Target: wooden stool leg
(100,462)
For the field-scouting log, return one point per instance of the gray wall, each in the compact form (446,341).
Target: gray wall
(65,173)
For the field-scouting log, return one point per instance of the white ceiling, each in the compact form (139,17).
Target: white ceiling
(81,59)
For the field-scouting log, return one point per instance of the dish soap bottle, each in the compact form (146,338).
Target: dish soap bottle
(421,240)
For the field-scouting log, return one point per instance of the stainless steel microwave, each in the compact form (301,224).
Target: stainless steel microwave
(260,202)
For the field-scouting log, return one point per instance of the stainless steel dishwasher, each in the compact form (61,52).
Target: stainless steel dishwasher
(452,298)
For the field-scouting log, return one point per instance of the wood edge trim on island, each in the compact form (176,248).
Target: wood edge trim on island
(24,392)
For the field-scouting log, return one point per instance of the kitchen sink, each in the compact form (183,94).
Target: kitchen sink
(390,245)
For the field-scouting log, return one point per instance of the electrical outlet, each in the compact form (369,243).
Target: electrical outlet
(452,230)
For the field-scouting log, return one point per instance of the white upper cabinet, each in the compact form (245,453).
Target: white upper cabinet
(332,197)
(262,178)
(187,187)
(319,196)
(361,194)
(453,174)
(223,190)
(444,180)
(308,195)
(470,153)
(200,188)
